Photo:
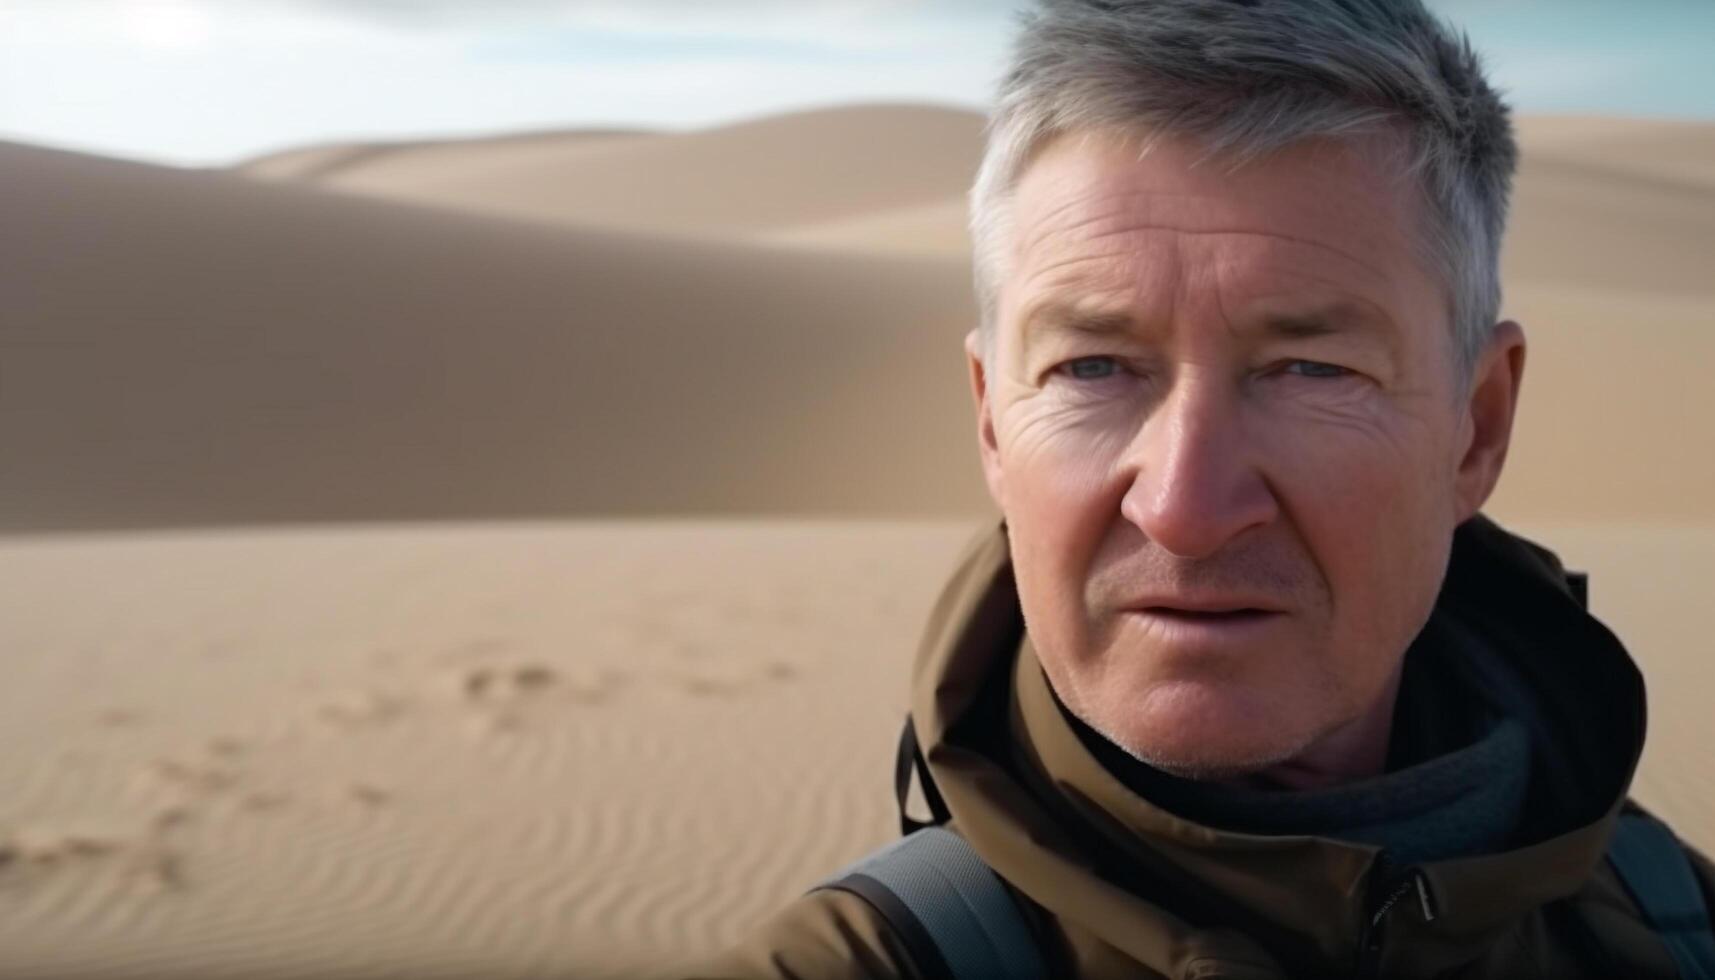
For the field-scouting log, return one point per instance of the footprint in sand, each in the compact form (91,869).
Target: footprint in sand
(526,683)
(58,847)
(368,794)
(167,818)
(43,851)
(490,684)
(226,747)
(505,699)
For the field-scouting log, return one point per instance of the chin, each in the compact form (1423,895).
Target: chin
(1194,733)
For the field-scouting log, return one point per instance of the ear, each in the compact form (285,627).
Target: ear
(986,444)
(1488,418)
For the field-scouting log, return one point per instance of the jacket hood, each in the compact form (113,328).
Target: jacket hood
(1182,899)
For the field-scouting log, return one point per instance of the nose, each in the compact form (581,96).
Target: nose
(1197,485)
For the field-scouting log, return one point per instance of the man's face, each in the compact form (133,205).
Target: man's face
(1217,391)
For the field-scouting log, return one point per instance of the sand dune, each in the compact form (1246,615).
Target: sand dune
(328,163)
(546,749)
(935,228)
(187,348)
(1614,413)
(768,174)
(1576,222)
(1676,151)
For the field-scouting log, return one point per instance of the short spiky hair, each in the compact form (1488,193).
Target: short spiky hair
(1246,77)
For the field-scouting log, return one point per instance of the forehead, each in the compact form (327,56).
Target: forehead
(1092,218)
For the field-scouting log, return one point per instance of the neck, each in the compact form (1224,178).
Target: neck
(1451,784)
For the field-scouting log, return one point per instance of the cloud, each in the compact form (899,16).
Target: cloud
(850,25)
(437,13)
(724,15)
(209,81)
(839,24)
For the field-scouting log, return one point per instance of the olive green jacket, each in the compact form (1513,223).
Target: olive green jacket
(1116,887)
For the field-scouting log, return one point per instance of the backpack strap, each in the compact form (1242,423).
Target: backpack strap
(955,916)
(910,760)
(1653,866)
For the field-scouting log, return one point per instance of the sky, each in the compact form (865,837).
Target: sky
(211,82)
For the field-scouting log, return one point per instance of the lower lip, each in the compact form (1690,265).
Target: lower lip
(1211,629)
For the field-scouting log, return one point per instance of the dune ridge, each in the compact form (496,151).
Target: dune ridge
(325,163)
(755,176)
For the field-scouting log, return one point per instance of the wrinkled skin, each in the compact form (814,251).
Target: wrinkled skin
(1216,440)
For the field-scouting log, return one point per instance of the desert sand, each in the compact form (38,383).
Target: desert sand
(502,557)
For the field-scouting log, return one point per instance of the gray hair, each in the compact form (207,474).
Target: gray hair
(1246,77)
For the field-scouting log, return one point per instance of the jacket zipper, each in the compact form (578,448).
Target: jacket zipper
(1371,938)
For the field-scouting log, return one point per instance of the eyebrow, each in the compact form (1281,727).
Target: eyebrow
(1063,317)
(1338,317)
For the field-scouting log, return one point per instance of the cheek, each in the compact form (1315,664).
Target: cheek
(1060,506)
(1367,458)
(1369,499)
(1059,447)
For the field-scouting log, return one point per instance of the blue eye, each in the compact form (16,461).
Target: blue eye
(1098,362)
(1318,369)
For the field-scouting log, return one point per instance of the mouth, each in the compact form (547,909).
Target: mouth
(1226,629)
(1209,615)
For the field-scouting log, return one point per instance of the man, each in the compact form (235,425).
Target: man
(1243,684)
